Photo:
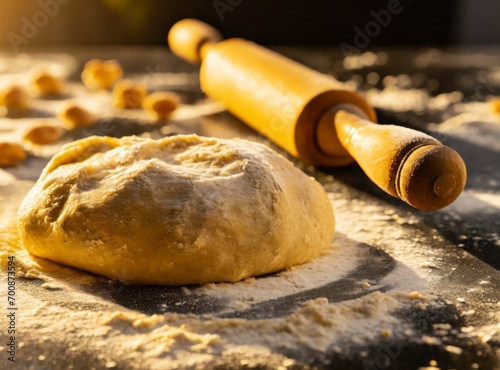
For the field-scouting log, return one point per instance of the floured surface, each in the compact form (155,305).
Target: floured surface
(240,324)
(396,286)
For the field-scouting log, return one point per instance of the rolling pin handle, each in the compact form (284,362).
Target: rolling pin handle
(190,39)
(405,163)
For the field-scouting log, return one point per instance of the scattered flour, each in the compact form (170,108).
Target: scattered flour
(344,256)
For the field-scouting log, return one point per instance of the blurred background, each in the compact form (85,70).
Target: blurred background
(26,23)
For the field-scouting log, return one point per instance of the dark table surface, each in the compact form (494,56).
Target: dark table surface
(415,88)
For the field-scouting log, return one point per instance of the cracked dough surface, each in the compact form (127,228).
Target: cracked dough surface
(179,210)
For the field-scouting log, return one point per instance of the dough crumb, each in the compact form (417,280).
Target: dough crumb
(365,284)
(416,295)
(386,333)
(453,349)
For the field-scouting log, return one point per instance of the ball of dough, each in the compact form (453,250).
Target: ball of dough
(74,116)
(11,154)
(128,95)
(43,134)
(180,210)
(101,74)
(47,84)
(160,105)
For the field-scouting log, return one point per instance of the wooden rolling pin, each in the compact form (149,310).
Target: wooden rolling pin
(317,119)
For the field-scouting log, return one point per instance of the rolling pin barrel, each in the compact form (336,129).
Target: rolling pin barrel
(318,119)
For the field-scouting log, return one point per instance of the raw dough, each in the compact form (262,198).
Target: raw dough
(180,210)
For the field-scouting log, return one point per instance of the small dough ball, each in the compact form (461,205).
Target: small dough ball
(160,105)
(47,84)
(98,74)
(43,134)
(128,95)
(73,116)
(179,210)
(14,98)
(11,154)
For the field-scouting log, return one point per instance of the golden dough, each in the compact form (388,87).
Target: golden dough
(180,210)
